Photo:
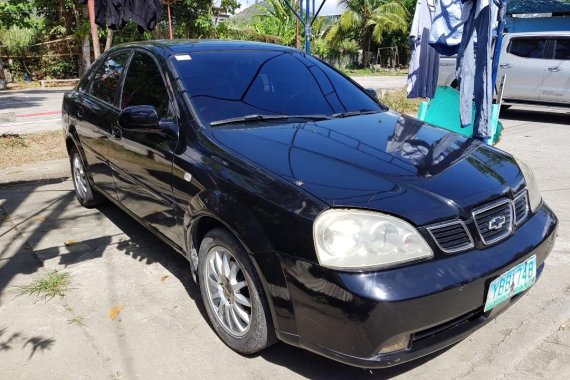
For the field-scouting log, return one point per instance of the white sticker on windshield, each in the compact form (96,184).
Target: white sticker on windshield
(183,57)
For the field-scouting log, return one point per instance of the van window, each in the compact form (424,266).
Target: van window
(562,50)
(527,47)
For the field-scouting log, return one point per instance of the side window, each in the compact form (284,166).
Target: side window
(144,85)
(562,49)
(527,47)
(107,77)
(86,80)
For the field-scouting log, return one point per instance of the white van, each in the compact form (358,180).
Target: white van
(537,66)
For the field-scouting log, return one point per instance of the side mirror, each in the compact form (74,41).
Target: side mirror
(372,92)
(140,119)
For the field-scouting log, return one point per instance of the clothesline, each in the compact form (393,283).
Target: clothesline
(450,27)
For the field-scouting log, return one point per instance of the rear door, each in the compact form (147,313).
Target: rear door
(142,162)
(524,64)
(556,86)
(95,110)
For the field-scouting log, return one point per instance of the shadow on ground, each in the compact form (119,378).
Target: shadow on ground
(38,343)
(147,248)
(561,116)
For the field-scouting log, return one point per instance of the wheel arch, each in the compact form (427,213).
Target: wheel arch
(263,260)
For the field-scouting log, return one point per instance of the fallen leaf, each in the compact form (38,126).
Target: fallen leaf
(162,278)
(564,327)
(69,243)
(114,312)
(41,218)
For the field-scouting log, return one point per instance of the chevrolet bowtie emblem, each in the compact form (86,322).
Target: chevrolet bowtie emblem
(497,222)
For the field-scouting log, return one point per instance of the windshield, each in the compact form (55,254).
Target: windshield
(234,84)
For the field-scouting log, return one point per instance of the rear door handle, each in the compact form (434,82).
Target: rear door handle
(555,69)
(506,66)
(116,132)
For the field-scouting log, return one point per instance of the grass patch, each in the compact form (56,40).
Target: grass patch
(18,149)
(53,284)
(77,321)
(398,101)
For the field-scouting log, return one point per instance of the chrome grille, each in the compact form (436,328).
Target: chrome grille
(494,221)
(521,207)
(451,236)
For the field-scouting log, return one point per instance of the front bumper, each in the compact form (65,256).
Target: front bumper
(348,317)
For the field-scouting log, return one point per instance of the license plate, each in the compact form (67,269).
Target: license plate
(516,280)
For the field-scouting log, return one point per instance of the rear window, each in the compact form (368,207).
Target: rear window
(562,50)
(107,77)
(527,47)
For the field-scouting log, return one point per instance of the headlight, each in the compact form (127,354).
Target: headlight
(534,197)
(355,239)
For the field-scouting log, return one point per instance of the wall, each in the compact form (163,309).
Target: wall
(538,24)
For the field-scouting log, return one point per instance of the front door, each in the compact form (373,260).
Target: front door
(524,64)
(556,86)
(142,162)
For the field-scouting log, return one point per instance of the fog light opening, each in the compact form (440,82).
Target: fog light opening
(397,343)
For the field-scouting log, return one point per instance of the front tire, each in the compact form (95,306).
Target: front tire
(84,193)
(233,295)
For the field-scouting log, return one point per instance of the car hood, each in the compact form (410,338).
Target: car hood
(386,162)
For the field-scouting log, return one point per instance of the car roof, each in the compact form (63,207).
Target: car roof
(540,34)
(168,48)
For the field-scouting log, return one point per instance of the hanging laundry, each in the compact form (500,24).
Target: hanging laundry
(475,66)
(498,35)
(424,62)
(447,27)
(146,13)
(101,13)
(114,14)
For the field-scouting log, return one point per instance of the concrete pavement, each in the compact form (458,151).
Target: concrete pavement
(161,330)
(382,83)
(31,110)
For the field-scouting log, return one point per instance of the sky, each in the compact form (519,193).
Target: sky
(330,8)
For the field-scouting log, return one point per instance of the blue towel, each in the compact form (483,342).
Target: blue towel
(447,27)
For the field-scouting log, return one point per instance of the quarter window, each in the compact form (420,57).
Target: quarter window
(562,49)
(527,47)
(144,85)
(107,77)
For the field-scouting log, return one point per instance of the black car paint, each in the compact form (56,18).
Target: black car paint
(267,182)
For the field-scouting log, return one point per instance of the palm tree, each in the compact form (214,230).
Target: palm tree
(369,19)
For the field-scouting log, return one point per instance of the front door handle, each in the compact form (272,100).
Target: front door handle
(506,66)
(116,132)
(555,69)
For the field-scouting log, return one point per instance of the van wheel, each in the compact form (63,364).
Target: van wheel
(84,193)
(233,295)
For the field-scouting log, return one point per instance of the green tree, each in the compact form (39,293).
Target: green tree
(276,20)
(367,21)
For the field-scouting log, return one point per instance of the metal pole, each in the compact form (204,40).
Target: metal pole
(297,41)
(308,26)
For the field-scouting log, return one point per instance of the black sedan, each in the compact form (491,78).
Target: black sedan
(308,211)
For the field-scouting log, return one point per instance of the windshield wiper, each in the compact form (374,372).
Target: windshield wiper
(255,117)
(355,113)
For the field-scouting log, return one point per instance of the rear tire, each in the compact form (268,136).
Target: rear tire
(233,295)
(85,194)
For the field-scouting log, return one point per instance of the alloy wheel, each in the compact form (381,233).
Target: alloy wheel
(228,291)
(79,177)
